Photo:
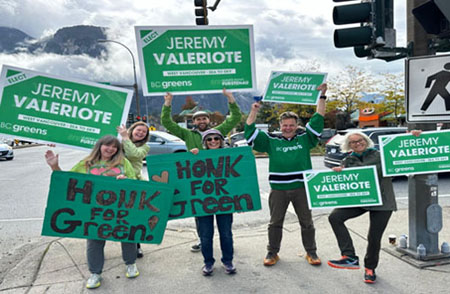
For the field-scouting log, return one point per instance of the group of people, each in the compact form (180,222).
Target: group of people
(289,157)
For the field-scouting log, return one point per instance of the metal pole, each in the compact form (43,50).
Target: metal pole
(423,189)
(135,86)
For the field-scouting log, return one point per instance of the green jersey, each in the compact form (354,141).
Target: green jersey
(288,158)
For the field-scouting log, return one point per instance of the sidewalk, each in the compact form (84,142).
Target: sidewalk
(59,265)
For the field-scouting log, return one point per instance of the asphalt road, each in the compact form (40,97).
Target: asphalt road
(24,187)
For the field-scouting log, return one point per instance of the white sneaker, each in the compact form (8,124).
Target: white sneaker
(132,271)
(93,281)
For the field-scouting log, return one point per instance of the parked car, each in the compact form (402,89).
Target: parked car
(326,135)
(333,153)
(234,138)
(6,151)
(162,142)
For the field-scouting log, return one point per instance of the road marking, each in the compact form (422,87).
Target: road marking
(21,219)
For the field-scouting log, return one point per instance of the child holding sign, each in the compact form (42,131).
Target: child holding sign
(213,139)
(134,145)
(106,159)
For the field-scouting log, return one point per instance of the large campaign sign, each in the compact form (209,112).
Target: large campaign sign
(196,59)
(211,182)
(351,187)
(293,87)
(44,108)
(406,154)
(103,208)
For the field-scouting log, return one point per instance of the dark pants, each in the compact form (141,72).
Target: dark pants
(206,228)
(378,222)
(96,255)
(278,204)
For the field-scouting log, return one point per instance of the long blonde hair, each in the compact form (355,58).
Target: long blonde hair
(95,155)
(130,133)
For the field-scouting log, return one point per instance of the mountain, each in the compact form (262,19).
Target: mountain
(12,39)
(74,40)
(82,39)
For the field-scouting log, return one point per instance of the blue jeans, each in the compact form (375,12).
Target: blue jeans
(206,229)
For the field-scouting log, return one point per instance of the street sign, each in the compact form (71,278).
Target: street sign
(406,154)
(351,187)
(212,182)
(427,89)
(42,108)
(103,208)
(196,59)
(293,87)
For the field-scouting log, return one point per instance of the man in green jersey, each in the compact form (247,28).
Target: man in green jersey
(289,157)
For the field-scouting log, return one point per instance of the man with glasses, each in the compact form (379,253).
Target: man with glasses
(201,120)
(289,157)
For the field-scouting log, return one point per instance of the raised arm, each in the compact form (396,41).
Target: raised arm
(321,104)
(253,113)
(52,160)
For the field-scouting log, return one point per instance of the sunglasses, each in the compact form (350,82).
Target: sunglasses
(209,139)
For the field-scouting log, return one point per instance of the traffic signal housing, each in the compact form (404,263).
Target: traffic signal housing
(201,12)
(375,30)
(434,17)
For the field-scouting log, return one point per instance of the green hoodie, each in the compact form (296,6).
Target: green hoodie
(193,138)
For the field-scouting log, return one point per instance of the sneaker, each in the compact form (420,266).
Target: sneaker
(345,262)
(140,253)
(207,269)
(132,271)
(93,281)
(369,276)
(229,268)
(313,259)
(271,259)
(196,248)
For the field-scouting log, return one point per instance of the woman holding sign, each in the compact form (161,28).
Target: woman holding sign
(213,139)
(363,154)
(134,145)
(105,159)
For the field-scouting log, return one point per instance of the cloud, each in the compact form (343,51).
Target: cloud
(288,34)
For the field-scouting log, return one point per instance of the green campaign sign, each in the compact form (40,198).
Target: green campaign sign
(406,154)
(352,187)
(211,182)
(293,87)
(196,59)
(103,208)
(44,108)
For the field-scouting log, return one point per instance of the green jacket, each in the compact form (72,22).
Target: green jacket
(372,157)
(193,138)
(135,155)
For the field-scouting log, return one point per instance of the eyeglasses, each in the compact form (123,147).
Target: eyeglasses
(360,141)
(209,139)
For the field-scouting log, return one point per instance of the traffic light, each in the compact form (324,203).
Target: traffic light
(434,17)
(144,118)
(201,12)
(375,30)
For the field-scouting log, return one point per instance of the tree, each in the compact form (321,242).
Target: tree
(394,93)
(346,90)
(189,103)
(216,118)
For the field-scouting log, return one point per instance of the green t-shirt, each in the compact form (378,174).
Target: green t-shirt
(101,168)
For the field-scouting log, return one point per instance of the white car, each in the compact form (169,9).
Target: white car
(6,151)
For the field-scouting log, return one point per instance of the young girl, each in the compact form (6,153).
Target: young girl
(213,139)
(106,159)
(134,145)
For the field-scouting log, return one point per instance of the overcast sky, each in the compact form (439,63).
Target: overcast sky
(289,34)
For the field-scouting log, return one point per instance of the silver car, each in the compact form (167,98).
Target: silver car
(162,142)
(6,151)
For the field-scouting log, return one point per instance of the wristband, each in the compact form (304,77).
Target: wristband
(323,97)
